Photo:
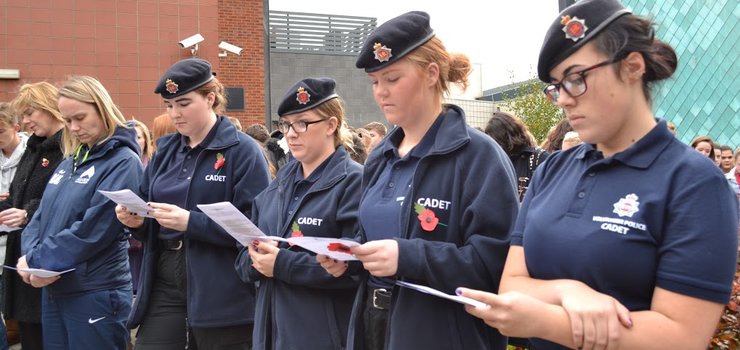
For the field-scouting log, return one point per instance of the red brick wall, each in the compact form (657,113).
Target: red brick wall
(128,44)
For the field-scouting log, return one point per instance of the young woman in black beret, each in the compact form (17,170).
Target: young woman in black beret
(438,200)
(300,305)
(628,241)
(187,279)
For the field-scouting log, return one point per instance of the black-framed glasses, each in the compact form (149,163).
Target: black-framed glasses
(298,126)
(573,83)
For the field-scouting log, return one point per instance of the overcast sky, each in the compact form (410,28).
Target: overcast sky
(504,37)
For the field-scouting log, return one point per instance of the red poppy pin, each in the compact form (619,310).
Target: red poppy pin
(339,248)
(382,53)
(171,86)
(220,161)
(295,232)
(44,162)
(427,219)
(302,96)
(573,27)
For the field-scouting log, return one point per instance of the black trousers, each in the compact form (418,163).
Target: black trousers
(223,338)
(165,325)
(376,321)
(31,336)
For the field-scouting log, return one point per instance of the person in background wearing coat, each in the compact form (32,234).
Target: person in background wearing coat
(12,145)
(187,278)
(512,135)
(37,105)
(75,226)
(629,240)
(438,200)
(300,305)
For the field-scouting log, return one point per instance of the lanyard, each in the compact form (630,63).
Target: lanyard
(77,156)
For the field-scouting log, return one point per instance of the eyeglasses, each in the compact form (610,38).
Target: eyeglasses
(299,126)
(574,83)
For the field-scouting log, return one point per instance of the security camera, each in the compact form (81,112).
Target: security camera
(192,40)
(230,48)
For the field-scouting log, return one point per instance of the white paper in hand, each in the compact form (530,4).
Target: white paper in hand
(334,248)
(233,221)
(40,272)
(129,199)
(432,291)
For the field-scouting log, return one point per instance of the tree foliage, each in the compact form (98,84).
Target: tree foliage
(536,111)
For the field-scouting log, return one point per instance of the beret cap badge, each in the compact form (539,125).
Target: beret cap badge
(573,27)
(171,86)
(302,96)
(382,53)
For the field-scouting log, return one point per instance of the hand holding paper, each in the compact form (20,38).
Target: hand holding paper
(130,200)
(432,291)
(39,272)
(245,231)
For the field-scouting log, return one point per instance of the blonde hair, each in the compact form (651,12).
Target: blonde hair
(148,146)
(89,90)
(8,115)
(453,68)
(40,96)
(335,108)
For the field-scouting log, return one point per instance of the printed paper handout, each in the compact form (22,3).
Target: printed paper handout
(6,228)
(39,272)
(432,291)
(130,200)
(245,232)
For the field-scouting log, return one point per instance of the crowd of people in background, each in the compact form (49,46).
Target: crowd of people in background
(535,230)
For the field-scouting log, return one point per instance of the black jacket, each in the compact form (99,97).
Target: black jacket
(22,301)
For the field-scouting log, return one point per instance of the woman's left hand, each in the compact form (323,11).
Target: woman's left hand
(380,258)
(514,314)
(170,216)
(35,281)
(263,256)
(40,282)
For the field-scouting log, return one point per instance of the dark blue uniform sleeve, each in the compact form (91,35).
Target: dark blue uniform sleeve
(700,239)
(243,264)
(95,231)
(487,210)
(253,176)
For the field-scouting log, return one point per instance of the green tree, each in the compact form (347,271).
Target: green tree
(529,103)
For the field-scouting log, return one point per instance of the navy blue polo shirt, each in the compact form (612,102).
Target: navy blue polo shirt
(172,185)
(301,185)
(655,215)
(380,209)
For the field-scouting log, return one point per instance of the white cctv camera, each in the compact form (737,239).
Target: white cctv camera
(230,48)
(192,40)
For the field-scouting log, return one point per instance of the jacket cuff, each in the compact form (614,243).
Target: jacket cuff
(409,261)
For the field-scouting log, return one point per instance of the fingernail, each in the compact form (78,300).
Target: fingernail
(630,322)
(458,291)
(256,242)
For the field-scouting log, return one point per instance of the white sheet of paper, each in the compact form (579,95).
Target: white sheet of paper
(130,200)
(334,248)
(234,222)
(432,291)
(245,231)
(6,228)
(40,272)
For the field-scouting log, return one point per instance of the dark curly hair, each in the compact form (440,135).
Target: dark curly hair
(509,132)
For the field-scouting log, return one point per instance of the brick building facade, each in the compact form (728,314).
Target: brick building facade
(128,44)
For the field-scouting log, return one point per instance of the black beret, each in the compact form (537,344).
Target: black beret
(307,94)
(574,27)
(394,39)
(183,77)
